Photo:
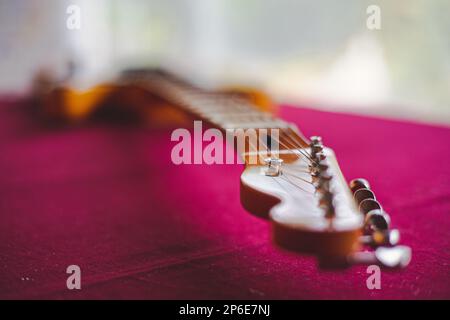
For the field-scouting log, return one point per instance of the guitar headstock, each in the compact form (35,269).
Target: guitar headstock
(313,210)
(303,217)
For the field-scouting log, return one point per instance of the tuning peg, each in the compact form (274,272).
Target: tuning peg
(359,184)
(319,156)
(390,257)
(381,238)
(322,181)
(319,172)
(316,146)
(319,182)
(318,163)
(322,166)
(316,140)
(368,205)
(362,194)
(376,220)
(315,149)
(326,199)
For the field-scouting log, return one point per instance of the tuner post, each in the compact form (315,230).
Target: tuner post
(321,177)
(326,195)
(316,146)
(318,157)
(326,202)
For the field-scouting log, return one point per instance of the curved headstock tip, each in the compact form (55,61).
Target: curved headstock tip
(291,201)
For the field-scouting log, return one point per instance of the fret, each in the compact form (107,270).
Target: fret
(249,115)
(217,105)
(241,119)
(216,108)
(275,124)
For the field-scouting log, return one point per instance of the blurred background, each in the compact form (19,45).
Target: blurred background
(318,54)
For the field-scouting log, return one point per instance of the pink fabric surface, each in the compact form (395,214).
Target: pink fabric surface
(108,198)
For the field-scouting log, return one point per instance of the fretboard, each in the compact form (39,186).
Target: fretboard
(222,110)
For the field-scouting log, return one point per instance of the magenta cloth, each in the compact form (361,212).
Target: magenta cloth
(109,199)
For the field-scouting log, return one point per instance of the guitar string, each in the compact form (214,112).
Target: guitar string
(277,181)
(298,146)
(295,176)
(289,148)
(295,168)
(283,187)
(288,180)
(293,147)
(286,173)
(290,172)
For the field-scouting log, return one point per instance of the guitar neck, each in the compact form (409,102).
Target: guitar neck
(226,111)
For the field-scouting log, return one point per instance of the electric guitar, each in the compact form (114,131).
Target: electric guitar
(298,188)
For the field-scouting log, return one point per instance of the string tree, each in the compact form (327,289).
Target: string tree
(273,167)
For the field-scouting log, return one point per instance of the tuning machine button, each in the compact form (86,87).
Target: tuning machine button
(362,194)
(359,184)
(381,238)
(376,231)
(368,205)
(389,257)
(376,220)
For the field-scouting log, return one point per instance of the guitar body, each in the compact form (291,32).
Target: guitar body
(63,104)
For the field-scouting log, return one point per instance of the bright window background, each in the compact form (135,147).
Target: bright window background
(315,53)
